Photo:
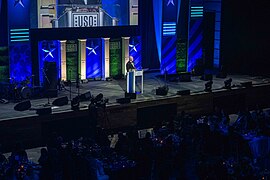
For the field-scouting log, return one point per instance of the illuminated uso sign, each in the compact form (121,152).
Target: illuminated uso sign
(85,20)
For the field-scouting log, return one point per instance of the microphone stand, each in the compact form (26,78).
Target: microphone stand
(78,85)
(47,91)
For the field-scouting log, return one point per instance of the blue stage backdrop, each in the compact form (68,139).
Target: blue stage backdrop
(135,49)
(93,58)
(170,13)
(19,14)
(19,45)
(20,61)
(49,52)
(166,14)
(195,53)
(168,62)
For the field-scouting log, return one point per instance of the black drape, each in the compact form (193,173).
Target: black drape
(245,36)
(149,48)
(3,23)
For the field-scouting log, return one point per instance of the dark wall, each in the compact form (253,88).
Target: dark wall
(245,36)
(182,26)
(149,47)
(3,23)
(208,39)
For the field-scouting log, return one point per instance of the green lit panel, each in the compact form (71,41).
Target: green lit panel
(72,60)
(115,58)
(4,64)
(181,54)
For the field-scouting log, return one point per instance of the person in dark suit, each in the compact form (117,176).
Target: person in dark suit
(130,65)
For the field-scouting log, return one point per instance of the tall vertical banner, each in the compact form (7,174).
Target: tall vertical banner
(4,64)
(195,51)
(19,45)
(169,37)
(4,56)
(72,60)
(93,58)
(115,58)
(182,37)
(195,54)
(19,14)
(181,61)
(48,53)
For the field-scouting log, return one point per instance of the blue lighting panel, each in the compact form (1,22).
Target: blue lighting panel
(135,49)
(19,35)
(169,28)
(195,43)
(168,53)
(196,11)
(19,46)
(19,14)
(20,61)
(48,51)
(168,63)
(93,58)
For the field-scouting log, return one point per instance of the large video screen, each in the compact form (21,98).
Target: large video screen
(84,13)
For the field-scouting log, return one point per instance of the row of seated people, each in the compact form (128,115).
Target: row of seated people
(209,146)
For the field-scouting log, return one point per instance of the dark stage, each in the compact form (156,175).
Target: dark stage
(115,89)
(145,111)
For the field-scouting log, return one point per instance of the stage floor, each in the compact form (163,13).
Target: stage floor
(116,89)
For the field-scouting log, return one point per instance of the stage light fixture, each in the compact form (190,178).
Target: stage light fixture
(228,83)
(208,86)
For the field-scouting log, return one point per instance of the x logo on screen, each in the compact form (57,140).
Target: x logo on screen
(133,47)
(92,50)
(16,2)
(49,53)
(170,2)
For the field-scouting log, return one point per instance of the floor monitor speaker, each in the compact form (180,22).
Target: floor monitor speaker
(60,101)
(22,106)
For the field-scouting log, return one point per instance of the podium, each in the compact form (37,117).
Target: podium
(131,81)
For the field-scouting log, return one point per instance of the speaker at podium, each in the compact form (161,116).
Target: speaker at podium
(132,80)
